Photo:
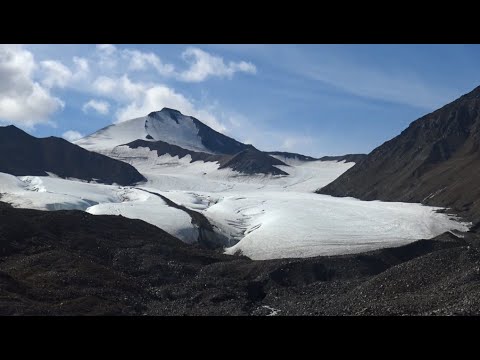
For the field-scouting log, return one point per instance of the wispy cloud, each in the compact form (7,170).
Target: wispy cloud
(101,107)
(72,135)
(204,65)
(201,64)
(139,61)
(402,86)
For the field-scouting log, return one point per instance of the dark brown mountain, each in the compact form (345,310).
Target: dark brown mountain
(250,161)
(23,154)
(436,161)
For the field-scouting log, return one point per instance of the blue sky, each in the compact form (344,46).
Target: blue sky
(312,99)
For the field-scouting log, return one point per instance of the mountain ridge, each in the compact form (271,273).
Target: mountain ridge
(22,154)
(258,162)
(435,161)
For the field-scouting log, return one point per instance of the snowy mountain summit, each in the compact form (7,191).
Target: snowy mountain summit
(168,132)
(167,125)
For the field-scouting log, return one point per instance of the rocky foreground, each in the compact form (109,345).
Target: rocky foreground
(74,263)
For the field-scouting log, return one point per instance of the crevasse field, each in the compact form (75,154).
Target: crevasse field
(264,216)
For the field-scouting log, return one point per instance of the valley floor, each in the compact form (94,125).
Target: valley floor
(74,263)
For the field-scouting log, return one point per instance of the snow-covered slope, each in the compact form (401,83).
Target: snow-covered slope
(263,216)
(50,193)
(183,133)
(167,125)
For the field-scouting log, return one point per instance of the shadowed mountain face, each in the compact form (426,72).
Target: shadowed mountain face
(23,154)
(250,161)
(436,161)
(253,162)
(212,140)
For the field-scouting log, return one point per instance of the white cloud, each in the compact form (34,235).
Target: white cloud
(109,72)
(139,60)
(82,64)
(23,100)
(108,49)
(104,84)
(56,74)
(203,65)
(72,135)
(144,98)
(107,56)
(101,107)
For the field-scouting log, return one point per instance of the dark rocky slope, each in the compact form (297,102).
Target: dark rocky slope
(23,154)
(74,263)
(249,161)
(254,162)
(436,161)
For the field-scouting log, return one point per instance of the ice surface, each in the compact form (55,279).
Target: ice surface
(50,193)
(265,216)
(153,210)
(289,224)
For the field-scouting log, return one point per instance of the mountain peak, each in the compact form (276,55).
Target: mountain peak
(7,133)
(166,111)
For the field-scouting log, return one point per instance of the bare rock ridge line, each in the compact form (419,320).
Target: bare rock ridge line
(249,161)
(207,237)
(435,161)
(356,158)
(22,154)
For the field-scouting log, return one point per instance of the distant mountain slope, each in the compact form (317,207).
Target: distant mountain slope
(253,161)
(23,154)
(282,155)
(289,155)
(356,158)
(249,161)
(436,161)
(169,126)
